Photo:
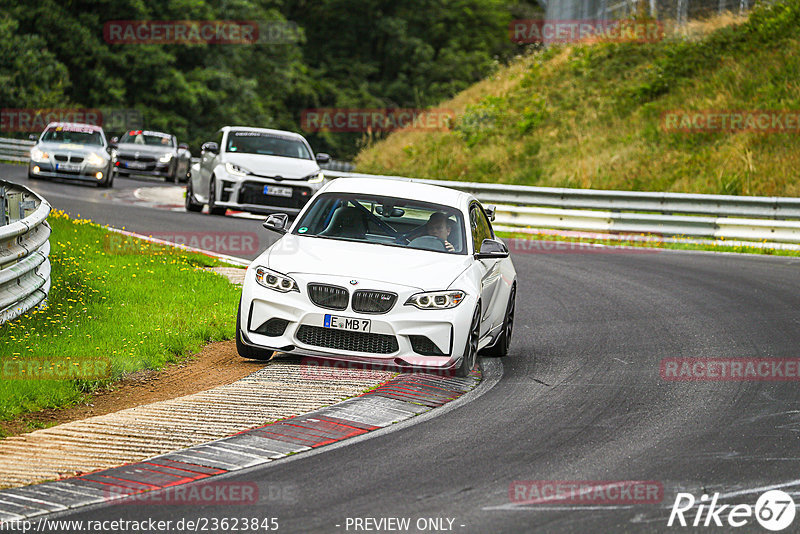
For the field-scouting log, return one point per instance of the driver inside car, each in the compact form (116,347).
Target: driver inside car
(438,226)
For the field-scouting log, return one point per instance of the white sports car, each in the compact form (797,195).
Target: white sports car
(381,271)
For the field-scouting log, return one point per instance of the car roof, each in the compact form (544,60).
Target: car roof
(74,125)
(399,188)
(265,130)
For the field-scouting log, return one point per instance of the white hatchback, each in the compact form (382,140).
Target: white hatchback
(382,271)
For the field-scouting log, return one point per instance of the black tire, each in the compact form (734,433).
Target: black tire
(471,349)
(190,203)
(172,176)
(108,182)
(212,209)
(32,176)
(503,343)
(246,351)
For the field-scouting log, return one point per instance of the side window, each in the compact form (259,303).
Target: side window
(481,229)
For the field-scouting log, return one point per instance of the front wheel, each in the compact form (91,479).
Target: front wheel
(190,203)
(471,350)
(501,346)
(108,182)
(212,209)
(246,351)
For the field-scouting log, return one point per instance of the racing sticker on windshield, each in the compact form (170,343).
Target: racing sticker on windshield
(302,230)
(75,128)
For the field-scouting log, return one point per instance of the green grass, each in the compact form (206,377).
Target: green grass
(589,115)
(140,305)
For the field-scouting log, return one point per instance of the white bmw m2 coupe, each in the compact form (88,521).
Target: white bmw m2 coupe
(383,271)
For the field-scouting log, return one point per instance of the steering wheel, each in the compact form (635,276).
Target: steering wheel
(428,242)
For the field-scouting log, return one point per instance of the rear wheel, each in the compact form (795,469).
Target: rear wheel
(246,351)
(471,350)
(212,195)
(190,203)
(501,346)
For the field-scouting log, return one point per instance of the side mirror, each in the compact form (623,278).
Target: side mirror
(491,249)
(323,158)
(210,147)
(183,146)
(33,137)
(490,212)
(114,140)
(277,222)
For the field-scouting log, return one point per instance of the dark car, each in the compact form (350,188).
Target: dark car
(151,153)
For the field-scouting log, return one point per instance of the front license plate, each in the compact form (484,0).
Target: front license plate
(347,323)
(135,165)
(67,167)
(277,191)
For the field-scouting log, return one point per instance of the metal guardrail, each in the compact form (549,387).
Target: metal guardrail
(24,250)
(15,149)
(633,212)
(624,212)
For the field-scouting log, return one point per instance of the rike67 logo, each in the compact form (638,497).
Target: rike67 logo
(774,510)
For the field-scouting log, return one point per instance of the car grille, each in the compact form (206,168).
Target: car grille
(253,193)
(71,159)
(366,301)
(330,297)
(345,340)
(142,159)
(423,345)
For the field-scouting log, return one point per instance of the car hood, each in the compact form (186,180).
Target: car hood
(72,148)
(425,270)
(128,148)
(291,168)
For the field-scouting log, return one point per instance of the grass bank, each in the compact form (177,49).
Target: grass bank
(139,305)
(590,115)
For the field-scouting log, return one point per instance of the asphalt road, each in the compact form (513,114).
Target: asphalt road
(580,399)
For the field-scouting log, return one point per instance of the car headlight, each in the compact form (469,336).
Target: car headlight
(166,158)
(436,300)
(39,155)
(275,280)
(236,170)
(94,159)
(315,178)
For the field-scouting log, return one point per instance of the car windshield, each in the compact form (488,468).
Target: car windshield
(385,221)
(73,134)
(140,137)
(267,144)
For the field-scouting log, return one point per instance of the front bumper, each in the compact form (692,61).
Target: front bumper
(86,172)
(162,170)
(247,194)
(399,331)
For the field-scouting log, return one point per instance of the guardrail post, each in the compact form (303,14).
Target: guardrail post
(3,216)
